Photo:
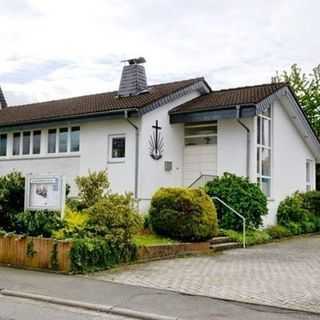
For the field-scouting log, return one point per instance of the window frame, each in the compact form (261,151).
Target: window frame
(110,148)
(17,133)
(195,136)
(33,144)
(309,184)
(6,144)
(260,147)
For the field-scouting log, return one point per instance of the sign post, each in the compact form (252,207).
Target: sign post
(45,193)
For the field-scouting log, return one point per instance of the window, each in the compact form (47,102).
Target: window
(199,134)
(117,148)
(75,139)
(264,151)
(3,144)
(52,140)
(16,144)
(26,142)
(63,139)
(36,142)
(308,175)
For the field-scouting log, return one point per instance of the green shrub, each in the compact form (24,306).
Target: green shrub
(291,210)
(183,214)
(146,222)
(299,213)
(252,236)
(93,187)
(243,196)
(114,214)
(11,198)
(74,225)
(89,254)
(311,202)
(37,223)
(278,232)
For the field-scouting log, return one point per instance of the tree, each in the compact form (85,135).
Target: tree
(307,90)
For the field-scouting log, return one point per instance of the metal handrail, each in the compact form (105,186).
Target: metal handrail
(200,177)
(239,215)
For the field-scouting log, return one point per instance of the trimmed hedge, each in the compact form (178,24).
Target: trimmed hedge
(183,214)
(242,195)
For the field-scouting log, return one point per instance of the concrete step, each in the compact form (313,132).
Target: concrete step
(224,246)
(220,239)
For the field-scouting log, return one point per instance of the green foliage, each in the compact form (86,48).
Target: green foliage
(146,222)
(88,255)
(151,239)
(74,225)
(307,90)
(92,188)
(114,214)
(37,223)
(54,257)
(311,202)
(183,214)
(299,213)
(243,196)
(30,249)
(278,232)
(252,236)
(11,198)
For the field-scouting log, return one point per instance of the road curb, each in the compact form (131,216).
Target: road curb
(88,306)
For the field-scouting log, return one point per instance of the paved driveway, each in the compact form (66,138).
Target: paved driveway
(283,274)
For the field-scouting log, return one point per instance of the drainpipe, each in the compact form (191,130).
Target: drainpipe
(248,139)
(136,171)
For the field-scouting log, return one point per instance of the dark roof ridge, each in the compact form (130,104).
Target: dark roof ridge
(282,83)
(114,92)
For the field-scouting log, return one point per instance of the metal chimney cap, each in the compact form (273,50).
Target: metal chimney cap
(135,60)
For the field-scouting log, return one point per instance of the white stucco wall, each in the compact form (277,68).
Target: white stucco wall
(94,152)
(232,147)
(152,173)
(290,154)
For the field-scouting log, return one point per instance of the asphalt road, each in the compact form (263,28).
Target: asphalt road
(22,309)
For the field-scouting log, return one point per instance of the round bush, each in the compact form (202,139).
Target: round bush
(183,214)
(243,196)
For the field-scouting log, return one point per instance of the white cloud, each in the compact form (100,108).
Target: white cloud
(230,42)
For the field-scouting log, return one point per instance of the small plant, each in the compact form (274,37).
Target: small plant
(30,249)
(93,187)
(278,232)
(37,223)
(242,195)
(252,236)
(54,257)
(183,214)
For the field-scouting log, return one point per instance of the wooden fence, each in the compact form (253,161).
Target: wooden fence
(36,253)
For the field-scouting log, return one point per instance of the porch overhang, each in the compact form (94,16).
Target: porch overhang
(246,111)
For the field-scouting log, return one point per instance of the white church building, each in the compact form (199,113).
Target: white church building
(179,133)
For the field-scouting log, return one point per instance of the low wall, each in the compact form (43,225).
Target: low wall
(36,253)
(156,252)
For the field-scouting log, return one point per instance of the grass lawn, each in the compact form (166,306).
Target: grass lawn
(151,239)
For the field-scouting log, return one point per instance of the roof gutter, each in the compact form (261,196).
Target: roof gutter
(238,108)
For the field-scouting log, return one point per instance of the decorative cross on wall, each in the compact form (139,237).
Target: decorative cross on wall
(156,143)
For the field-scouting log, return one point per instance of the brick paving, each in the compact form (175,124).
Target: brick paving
(284,274)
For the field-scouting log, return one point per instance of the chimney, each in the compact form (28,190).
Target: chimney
(3,102)
(133,78)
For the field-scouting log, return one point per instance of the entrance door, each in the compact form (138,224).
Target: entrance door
(200,152)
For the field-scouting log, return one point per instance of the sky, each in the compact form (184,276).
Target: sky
(51,49)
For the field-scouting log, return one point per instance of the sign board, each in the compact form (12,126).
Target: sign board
(45,193)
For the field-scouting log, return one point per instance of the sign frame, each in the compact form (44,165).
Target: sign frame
(57,185)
